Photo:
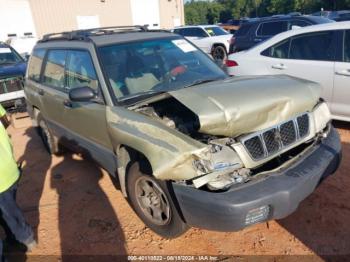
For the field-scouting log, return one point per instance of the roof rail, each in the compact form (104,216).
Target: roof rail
(84,34)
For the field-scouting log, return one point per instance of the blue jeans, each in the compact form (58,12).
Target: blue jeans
(12,219)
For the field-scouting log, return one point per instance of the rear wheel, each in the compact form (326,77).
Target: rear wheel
(219,53)
(154,203)
(49,142)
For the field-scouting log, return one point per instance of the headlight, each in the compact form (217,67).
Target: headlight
(322,116)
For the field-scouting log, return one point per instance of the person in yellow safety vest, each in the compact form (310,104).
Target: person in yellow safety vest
(11,217)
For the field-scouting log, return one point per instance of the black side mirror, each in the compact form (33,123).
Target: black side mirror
(26,57)
(82,94)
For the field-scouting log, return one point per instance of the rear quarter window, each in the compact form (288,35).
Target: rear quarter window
(243,30)
(35,63)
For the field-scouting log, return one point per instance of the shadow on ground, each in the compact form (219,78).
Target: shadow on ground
(322,221)
(86,219)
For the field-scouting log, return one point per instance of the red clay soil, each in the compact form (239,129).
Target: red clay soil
(75,209)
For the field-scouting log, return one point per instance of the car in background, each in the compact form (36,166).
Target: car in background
(319,53)
(231,25)
(257,30)
(212,39)
(338,16)
(12,71)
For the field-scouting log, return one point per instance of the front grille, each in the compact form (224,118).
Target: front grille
(12,84)
(273,140)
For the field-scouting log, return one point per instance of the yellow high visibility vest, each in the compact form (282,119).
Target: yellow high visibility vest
(9,172)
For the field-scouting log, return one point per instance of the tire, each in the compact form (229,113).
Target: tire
(47,137)
(159,200)
(219,53)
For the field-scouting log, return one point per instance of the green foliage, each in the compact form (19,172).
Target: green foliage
(210,12)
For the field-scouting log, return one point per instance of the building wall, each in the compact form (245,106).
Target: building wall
(15,18)
(49,16)
(60,15)
(171,13)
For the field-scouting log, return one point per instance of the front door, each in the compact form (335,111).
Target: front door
(341,95)
(86,121)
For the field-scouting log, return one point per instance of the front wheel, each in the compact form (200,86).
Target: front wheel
(153,203)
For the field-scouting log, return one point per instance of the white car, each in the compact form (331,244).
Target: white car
(212,39)
(320,53)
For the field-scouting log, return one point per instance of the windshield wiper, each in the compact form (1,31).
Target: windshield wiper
(201,81)
(141,96)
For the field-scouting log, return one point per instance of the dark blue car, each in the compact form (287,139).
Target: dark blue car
(12,71)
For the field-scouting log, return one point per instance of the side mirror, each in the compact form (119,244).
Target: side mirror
(81,94)
(26,57)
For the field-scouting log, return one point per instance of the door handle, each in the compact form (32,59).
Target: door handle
(345,72)
(67,104)
(41,92)
(257,40)
(279,66)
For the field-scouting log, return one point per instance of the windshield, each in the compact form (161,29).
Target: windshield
(139,69)
(8,56)
(215,31)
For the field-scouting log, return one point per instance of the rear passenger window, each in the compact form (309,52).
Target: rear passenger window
(279,50)
(80,70)
(54,69)
(347,46)
(243,30)
(315,46)
(34,67)
(272,28)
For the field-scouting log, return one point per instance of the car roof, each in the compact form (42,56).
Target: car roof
(258,20)
(190,26)
(302,30)
(105,36)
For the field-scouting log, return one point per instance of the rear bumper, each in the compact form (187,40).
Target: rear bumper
(280,192)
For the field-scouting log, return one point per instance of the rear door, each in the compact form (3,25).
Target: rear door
(341,95)
(309,56)
(51,90)
(197,36)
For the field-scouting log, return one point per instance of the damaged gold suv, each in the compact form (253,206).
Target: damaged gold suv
(188,145)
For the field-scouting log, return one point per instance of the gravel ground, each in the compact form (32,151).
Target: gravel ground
(75,209)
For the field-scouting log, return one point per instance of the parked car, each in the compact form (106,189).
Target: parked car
(12,71)
(319,53)
(188,145)
(212,39)
(257,30)
(342,15)
(231,25)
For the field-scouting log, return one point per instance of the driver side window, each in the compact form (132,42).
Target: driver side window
(80,70)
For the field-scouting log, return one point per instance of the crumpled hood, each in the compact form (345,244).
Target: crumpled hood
(241,105)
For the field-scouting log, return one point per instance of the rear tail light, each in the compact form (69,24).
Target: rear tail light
(231,63)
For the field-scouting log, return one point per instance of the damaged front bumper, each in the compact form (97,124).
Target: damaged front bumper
(274,197)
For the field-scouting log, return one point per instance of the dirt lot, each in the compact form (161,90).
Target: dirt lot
(75,209)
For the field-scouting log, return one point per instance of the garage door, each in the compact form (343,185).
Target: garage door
(15,18)
(145,13)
